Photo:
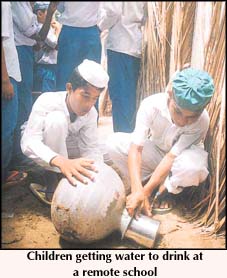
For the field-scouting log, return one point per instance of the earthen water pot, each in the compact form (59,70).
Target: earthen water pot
(87,213)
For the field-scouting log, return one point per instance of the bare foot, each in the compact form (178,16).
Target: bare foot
(161,201)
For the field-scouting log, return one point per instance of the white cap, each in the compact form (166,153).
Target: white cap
(93,73)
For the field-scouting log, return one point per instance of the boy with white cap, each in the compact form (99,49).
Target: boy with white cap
(61,133)
(173,156)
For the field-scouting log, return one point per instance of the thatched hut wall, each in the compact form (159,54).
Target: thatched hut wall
(201,33)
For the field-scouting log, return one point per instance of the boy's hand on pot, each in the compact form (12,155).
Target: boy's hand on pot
(74,169)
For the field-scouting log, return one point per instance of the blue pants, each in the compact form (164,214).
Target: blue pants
(26,60)
(74,45)
(44,77)
(123,71)
(9,121)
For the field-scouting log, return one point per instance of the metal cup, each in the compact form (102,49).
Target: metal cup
(142,230)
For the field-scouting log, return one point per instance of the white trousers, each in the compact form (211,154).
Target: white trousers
(188,169)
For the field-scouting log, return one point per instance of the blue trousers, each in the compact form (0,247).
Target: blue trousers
(74,45)
(26,60)
(45,77)
(9,121)
(123,71)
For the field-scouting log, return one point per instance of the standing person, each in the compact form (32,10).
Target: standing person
(45,57)
(79,38)
(61,133)
(173,157)
(10,77)
(26,33)
(124,44)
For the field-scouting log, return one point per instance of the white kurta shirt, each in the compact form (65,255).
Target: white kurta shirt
(25,23)
(153,116)
(82,133)
(10,51)
(78,14)
(124,21)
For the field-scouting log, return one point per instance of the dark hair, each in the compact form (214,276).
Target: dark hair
(77,81)
(36,11)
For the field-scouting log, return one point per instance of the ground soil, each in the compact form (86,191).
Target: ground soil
(26,223)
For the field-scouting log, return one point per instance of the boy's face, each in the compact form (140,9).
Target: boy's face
(82,99)
(41,16)
(181,117)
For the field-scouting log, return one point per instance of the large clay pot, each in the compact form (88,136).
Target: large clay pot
(89,212)
(86,213)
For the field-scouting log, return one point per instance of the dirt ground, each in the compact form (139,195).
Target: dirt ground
(26,224)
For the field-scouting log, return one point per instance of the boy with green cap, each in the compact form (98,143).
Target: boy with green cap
(165,153)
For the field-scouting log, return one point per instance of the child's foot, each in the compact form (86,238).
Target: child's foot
(162,202)
(15,178)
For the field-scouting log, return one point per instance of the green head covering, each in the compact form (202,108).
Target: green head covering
(192,89)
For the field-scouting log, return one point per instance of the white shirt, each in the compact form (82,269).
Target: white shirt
(50,56)
(83,131)
(78,14)
(124,21)
(153,115)
(25,23)
(10,51)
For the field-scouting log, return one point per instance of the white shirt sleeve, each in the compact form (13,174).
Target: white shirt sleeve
(51,39)
(144,118)
(109,13)
(24,18)
(195,134)
(88,139)
(5,20)
(32,140)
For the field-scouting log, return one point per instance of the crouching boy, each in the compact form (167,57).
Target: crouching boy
(61,132)
(165,152)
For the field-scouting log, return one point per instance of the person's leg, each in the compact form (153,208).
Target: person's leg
(55,124)
(117,148)
(48,78)
(9,120)
(190,168)
(44,192)
(116,154)
(74,45)
(91,44)
(37,83)
(51,182)
(26,60)
(123,70)
(37,78)
(92,47)
(69,54)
